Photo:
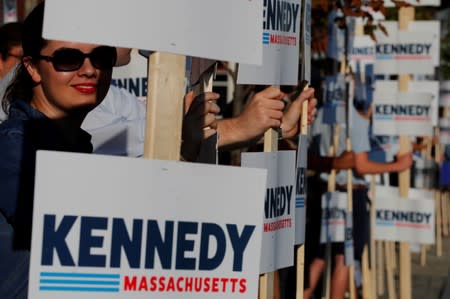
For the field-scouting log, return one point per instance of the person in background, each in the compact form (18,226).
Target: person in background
(10,55)
(56,84)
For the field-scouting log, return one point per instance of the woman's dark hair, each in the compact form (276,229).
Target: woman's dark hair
(22,85)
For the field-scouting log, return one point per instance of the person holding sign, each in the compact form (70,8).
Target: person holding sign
(10,54)
(56,85)
(359,134)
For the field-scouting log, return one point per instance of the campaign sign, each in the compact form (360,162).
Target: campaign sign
(115,227)
(415,51)
(432,87)
(362,51)
(133,76)
(406,114)
(280,42)
(335,102)
(404,220)
(334,210)
(199,28)
(279,208)
(301,189)
(389,3)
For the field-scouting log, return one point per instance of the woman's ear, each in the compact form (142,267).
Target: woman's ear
(32,69)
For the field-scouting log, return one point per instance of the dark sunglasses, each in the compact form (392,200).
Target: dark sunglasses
(69,60)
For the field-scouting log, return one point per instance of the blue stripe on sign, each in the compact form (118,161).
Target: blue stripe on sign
(69,281)
(265,38)
(300,202)
(80,275)
(78,289)
(386,223)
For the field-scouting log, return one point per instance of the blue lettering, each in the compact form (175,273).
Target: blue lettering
(56,239)
(156,242)
(131,246)
(88,241)
(215,231)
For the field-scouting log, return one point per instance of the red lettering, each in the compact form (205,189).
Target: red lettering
(153,283)
(198,284)
(233,284)
(171,284)
(130,285)
(242,285)
(224,281)
(207,287)
(215,287)
(143,284)
(188,284)
(179,282)
(162,284)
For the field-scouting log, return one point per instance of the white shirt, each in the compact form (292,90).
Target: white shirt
(117,125)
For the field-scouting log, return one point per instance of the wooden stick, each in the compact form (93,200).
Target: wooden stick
(380,269)
(389,272)
(366,276)
(331,188)
(300,252)
(164,106)
(406,15)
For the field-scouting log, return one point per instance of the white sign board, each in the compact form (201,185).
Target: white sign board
(432,87)
(216,29)
(405,113)
(281,39)
(404,220)
(279,208)
(389,3)
(334,209)
(415,51)
(301,189)
(114,227)
(362,51)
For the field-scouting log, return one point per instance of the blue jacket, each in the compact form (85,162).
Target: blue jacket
(26,131)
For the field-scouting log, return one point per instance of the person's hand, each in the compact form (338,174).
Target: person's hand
(263,111)
(292,117)
(404,161)
(346,160)
(199,122)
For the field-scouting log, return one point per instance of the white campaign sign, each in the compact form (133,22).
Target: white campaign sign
(389,3)
(279,208)
(404,220)
(415,51)
(216,29)
(362,51)
(405,113)
(334,207)
(281,31)
(392,87)
(115,227)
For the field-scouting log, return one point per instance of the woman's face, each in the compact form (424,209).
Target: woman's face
(59,93)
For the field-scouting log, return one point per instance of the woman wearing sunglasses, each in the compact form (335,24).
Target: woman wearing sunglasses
(56,85)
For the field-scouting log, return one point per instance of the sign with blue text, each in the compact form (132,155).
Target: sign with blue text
(199,28)
(334,210)
(415,51)
(133,76)
(279,207)
(281,41)
(115,227)
(405,113)
(404,220)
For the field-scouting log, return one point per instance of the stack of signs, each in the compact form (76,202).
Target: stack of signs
(154,229)
(415,51)
(402,220)
(444,122)
(404,113)
(279,208)
(280,39)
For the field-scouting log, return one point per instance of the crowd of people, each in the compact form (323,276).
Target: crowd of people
(57,95)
